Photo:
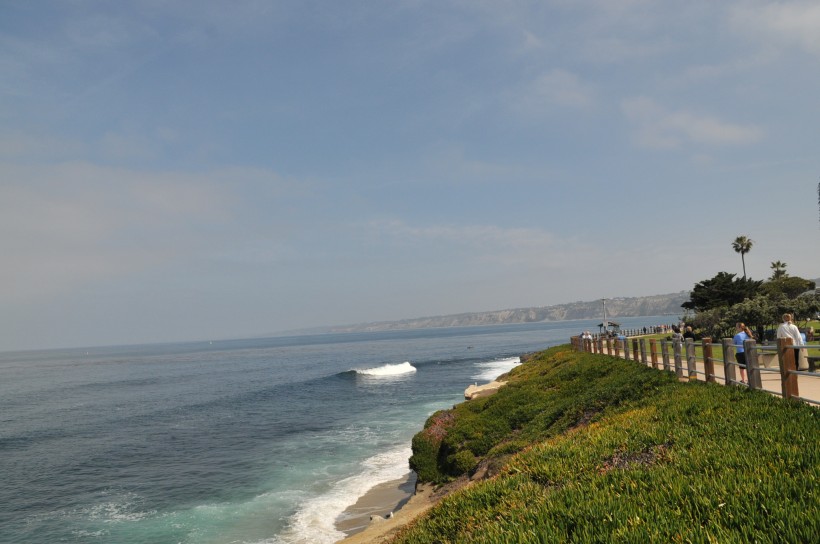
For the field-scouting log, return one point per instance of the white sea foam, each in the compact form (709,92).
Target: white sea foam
(490,370)
(123,507)
(315,520)
(388,370)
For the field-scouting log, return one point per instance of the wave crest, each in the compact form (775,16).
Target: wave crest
(387,370)
(490,370)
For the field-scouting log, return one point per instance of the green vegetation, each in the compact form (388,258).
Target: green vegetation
(724,300)
(590,448)
(722,290)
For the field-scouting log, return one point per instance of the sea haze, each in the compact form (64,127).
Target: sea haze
(264,440)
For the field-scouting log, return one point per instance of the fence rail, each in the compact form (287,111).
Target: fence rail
(681,358)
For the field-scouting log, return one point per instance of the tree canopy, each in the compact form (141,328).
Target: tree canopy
(724,289)
(790,286)
(724,300)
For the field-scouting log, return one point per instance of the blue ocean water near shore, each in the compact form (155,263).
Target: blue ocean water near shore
(243,441)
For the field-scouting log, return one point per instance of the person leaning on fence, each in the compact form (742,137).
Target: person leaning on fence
(743,334)
(787,329)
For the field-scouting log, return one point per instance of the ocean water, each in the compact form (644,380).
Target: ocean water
(242,441)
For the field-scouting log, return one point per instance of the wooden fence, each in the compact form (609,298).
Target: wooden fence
(680,357)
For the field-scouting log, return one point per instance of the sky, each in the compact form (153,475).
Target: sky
(194,170)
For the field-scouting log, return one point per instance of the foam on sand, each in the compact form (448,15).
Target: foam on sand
(315,520)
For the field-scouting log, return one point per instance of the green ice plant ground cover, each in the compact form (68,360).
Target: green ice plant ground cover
(589,448)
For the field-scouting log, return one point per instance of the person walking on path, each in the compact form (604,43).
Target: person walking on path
(743,334)
(787,329)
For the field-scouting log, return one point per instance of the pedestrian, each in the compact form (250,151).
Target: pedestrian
(788,329)
(689,333)
(743,334)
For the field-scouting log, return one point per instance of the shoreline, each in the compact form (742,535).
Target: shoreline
(382,530)
(379,501)
(402,500)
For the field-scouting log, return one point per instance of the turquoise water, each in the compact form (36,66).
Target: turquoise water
(251,441)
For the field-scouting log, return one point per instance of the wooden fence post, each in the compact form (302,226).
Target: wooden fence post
(786,358)
(752,364)
(691,365)
(728,368)
(608,345)
(676,346)
(635,352)
(626,349)
(665,354)
(617,347)
(708,363)
(643,351)
(653,350)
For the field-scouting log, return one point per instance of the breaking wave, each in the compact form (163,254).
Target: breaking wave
(387,370)
(490,370)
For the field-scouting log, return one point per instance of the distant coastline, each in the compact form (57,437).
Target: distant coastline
(655,305)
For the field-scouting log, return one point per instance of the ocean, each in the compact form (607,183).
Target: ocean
(239,441)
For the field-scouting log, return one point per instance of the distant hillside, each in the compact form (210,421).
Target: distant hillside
(615,307)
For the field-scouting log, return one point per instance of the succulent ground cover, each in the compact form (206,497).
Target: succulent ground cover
(588,448)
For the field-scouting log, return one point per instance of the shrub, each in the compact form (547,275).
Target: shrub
(463,462)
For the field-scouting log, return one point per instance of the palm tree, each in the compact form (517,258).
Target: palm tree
(779,270)
(743,245)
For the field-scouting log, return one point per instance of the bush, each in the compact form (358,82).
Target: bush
(462,462)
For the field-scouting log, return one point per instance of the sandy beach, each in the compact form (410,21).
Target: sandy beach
(381,500)
(378,499)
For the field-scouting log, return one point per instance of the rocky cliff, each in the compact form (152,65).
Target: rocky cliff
(668,304)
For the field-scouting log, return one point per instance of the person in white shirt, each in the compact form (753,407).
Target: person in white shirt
(787,329)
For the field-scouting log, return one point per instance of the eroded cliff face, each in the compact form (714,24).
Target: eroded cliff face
(668,304)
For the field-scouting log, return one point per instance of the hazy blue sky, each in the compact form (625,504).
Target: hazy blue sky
(175,170)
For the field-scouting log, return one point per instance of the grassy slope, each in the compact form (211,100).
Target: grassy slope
(588,448)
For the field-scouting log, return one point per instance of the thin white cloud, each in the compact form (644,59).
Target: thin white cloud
(66,225)
(28,145)
(790,24)
(657,127)
(531,41)
(454,164)
(551,92)
(507,247)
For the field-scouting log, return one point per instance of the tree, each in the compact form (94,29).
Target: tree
(778,270)
(790,287)
(743,245)
(806,306)
(713,323)
(721,291)
(758,313)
